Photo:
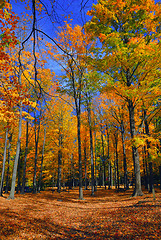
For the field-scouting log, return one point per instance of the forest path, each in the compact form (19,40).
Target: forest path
(107,215)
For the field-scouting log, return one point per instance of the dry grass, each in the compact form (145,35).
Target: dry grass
(107,215)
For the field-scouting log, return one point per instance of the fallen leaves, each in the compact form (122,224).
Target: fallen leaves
(107,215)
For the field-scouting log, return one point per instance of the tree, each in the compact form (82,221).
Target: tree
(115,107)
(130,54)
(75,44)
(4,162)
(11,196)
(91,84)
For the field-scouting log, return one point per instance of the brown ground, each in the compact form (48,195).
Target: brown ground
(108,215)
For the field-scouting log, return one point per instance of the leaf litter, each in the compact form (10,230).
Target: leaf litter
(107,215)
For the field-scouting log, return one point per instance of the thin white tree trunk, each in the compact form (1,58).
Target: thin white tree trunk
(42,158)
(14,174)
(4,162)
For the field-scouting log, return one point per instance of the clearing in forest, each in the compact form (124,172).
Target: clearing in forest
(107,215)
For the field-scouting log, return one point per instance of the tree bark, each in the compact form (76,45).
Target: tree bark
(85,164)
(96,182)
(72,168)
(91,146)
(13,183)
(117,162)
(109,175)
(80,160)
(103,161)
(151,180)
(138,190)
(126,185)
(59,171)
(19,173)
(115,179)
(42,159)
(36,156)
(4,162)
(77,99)
(8,166)
(24,166)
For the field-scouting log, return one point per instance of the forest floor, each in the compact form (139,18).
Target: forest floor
(107,215)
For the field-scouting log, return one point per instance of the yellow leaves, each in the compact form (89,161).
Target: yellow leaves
(138,142)
(120,4)
(27,102)
(6,114)
(27,115)
(141,141)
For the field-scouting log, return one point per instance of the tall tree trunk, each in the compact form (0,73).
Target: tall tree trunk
(117,163)
(72,168)
(115,178)
(138,190)
(8,165)
(150,187)
(42,159)
(103,161)
(100,174)
(80,159)
(144,170)
(4,162)
(13,183)
(96,182)
(116,158)
(53,182)
(60,159)
(19,173)
(59,171)
(77,99)
(91,147)
(126,185)
(152,190)
(36,156)
(85,163)
(108,157)
(109,175)
(26,151)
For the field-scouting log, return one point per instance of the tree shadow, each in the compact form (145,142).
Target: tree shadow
(28,218)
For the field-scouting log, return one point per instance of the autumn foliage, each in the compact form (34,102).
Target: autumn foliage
(81,108)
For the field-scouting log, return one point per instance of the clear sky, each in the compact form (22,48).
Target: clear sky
(61,8)
(76,9)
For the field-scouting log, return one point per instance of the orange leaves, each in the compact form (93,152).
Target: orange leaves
(8,5)
(73,39)
(102,37)
(109,215)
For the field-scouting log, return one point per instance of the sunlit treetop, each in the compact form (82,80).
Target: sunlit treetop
(129,32)
(129,18)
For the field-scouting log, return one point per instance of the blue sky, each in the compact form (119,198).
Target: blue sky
(77,10)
